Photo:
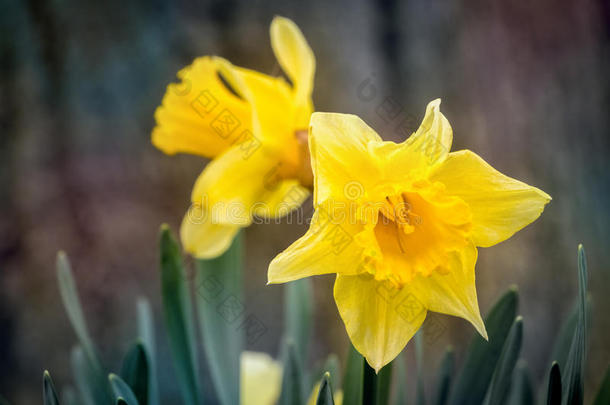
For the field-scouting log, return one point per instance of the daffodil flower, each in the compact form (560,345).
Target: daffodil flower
(254,129)
(261,381)
(400,225)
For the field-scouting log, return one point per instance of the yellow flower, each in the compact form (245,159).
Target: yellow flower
(400,225)
(261,381)
(253,127)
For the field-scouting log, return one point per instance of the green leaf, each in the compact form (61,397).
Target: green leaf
(354,374)
(325,394)
(420,397)
(502,377)
(521,391)
(222,321)
(444,376)
(72,305)
(331,365)
(146,332)
(369,385)
(376,386)
(135,371)
(482,356)
(292,378)
(177,311)
(384,381)
(49,394)
(554,385)
(572,381)
(298,315)
(603,394)
(121,390)
(121,401)
(93,388)
(400,380)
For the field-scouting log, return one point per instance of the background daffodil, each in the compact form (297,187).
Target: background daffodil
(400,225)
(261,381)
(253,127)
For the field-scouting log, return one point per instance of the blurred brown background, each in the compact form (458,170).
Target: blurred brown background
(524,84)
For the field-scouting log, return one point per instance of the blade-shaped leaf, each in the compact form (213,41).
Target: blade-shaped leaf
(292,378)
(69,296)
(332,366)
(572,382)
(135,371)
(445,372)
(222,321)
(482,355)
(298,315)
(603,394)
(369,385)
(521,391)
(384,380)
(146,332)
(354,374)
(177,311)
(502,377)
(400,380)
(49,394)
(72,305)
(121,390)
(420,397)
(325,394)
(554,386)
(93,388)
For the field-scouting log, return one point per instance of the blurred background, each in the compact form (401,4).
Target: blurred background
(524,84)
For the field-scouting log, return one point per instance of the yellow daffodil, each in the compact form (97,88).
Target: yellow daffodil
(400,225)
(253,127)
(261,381)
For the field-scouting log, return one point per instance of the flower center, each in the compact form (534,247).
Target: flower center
(415,233)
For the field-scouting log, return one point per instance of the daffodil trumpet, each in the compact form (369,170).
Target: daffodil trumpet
(253,127)
(400,224)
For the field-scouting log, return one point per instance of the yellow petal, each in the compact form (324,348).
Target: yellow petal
(201,237)
(340,159)
(453,292)
(261,379)
(327,247)
(500,205)
(231,184)
(380,319)
(282,198)
(424,149)
(200,115)
(294,56)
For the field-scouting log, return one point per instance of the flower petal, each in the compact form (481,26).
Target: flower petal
(281,199)
(423,150)
(261,379)
(327,247)
(380,319)
(294,56)
(340,159)
(500,205)
(202,238)
(231,184)
(200,115)
(453,292)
